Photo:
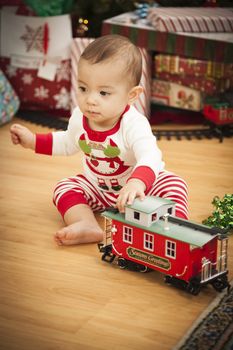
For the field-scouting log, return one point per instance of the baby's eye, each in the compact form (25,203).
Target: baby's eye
(104,93)
(82,88)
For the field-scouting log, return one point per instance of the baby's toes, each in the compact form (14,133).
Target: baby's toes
(70,242)
(58,240)
(60,237)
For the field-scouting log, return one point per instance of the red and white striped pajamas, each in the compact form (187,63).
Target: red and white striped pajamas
(111,158)
(79,190)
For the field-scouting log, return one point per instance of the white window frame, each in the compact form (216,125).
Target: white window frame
(145,240)
(130,234)
(171,249)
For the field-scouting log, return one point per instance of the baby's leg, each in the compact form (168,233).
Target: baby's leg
(171,186)
(76,198)
(82,227)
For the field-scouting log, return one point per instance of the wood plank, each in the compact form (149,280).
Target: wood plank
(66,297)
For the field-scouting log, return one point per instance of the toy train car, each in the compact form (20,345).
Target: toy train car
(220,113)
(149,237)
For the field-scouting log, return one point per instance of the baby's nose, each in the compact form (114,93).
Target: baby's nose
(91,99)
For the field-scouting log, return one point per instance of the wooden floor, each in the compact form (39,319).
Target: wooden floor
(65,297)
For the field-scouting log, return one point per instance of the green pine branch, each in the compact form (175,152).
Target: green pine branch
(222,215)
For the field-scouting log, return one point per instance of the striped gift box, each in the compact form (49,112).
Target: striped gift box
(186,19)
(142,104)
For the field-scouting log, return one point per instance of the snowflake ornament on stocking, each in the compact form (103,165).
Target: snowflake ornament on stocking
(41,93)
(63,99)
(27,79)
(33,38)
(36,38)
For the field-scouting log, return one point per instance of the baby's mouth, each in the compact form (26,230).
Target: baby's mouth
(93,112)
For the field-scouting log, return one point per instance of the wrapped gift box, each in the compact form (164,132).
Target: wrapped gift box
(9,101)
(187,19)
(175,95)
(142,104)
(209,46)
(189,66)
(209,86)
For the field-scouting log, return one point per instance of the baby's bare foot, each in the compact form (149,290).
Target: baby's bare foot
(77,233)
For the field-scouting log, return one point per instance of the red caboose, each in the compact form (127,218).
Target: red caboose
(219,113)
(148,236)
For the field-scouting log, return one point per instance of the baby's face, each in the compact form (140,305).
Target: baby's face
(103,92)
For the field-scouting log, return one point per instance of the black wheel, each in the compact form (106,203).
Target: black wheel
(107,256)
(144,269)
(220,283)
(122,263)
(193,288)
(167,279)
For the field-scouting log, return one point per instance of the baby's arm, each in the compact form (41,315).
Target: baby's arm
(23,136)
(140,140)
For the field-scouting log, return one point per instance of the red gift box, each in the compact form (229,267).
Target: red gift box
(188,66)
(208,85)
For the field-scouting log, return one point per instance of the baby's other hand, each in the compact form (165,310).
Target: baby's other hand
(23,136)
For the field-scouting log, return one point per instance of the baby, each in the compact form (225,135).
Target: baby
(121,160)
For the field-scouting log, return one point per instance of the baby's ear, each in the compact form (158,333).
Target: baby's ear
(134,94)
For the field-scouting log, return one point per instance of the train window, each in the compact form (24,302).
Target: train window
(170,249)
(148,241)
(169,210)
(136,215)
(127,234)
(154,217)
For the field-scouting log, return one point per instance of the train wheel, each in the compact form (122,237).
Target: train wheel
(107,256)
(167,279)
(122,263)
(220,283)
(194,288)
(144,269)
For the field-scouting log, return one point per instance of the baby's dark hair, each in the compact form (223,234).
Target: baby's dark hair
(119,47)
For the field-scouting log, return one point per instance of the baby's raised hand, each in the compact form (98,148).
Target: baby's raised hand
(133,189)
(23,136)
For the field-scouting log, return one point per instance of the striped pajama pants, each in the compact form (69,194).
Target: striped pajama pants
(79,190)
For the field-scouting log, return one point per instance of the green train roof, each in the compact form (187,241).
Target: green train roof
(196,237)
